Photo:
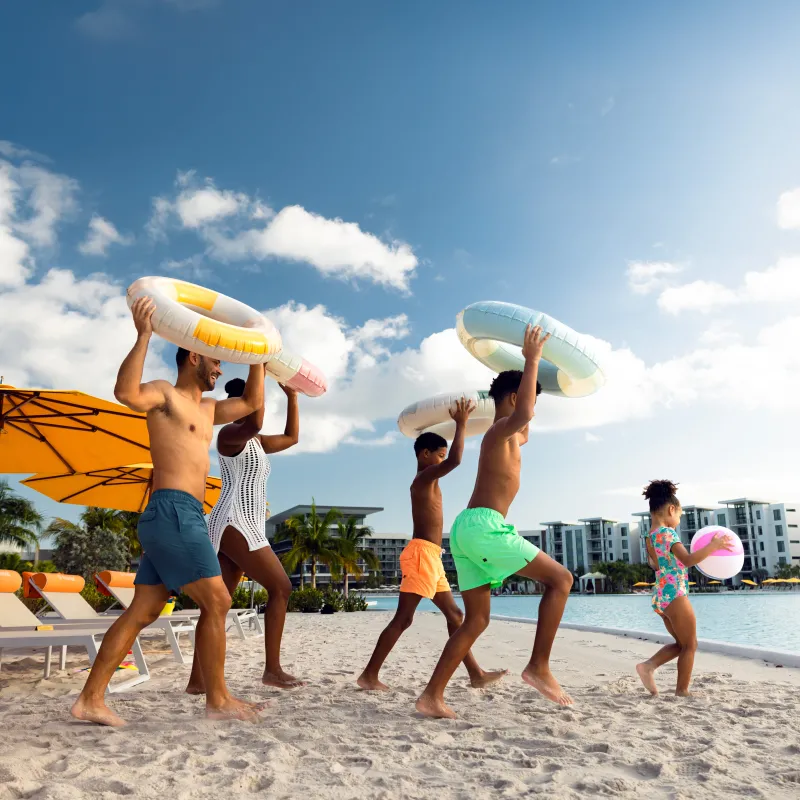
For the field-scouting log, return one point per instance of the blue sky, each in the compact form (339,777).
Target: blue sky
(622,168)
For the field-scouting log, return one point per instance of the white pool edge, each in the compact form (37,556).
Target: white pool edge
(782,657)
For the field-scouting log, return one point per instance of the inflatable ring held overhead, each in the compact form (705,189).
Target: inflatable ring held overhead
(297,373)
(569,367)
(207,322)
(433,415)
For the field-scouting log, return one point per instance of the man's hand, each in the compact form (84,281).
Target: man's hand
(533,343)
(462,410)
(288,391)
(142,311)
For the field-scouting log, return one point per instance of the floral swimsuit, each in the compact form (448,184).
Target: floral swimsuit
(671,575)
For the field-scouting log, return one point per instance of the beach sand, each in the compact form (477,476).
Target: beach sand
(739,737)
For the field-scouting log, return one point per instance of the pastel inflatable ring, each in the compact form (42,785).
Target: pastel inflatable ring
(207,322)
(721,564)
(570,367)
(297,373)
(433,415)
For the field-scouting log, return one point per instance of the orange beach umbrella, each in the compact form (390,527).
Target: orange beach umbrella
(44,430)
(122,488)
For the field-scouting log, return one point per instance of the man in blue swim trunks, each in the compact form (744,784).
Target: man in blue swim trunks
(178,554)
(487,550)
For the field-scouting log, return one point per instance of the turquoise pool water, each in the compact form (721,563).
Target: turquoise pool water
(770,620)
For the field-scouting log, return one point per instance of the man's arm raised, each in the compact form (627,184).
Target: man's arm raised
(522,414)
(234,408)
(129,389)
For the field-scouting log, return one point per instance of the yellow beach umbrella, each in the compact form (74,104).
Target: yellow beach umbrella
(749,582)
(714,583)
(793,580)
(44,430)
(692,583)
(122,488)
(641,583)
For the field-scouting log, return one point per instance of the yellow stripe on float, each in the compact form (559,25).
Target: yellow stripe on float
(220,334)
(192,295)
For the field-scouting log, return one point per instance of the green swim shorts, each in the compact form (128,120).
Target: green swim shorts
(486,549)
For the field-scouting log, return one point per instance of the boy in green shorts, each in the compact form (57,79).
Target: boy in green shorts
(487,550)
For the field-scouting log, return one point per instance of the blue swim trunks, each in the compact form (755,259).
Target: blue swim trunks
(174,537)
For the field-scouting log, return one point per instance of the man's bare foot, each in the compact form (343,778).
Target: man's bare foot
(369,684)
(431,707)
(99,713)
(685,693)
(546,685)
(648,677)
(235,709)
(194,688)
(281,680)
(487,678)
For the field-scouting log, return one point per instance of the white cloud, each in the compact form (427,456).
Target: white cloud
(49,198)
(645,277)
(236,227)
(101,235)
(592,438)
(335,247)
(777,284)
(388,438)
(115,19)
(12,151)
(789,209)
(200,207)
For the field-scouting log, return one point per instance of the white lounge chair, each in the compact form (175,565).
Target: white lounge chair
(64,637)
(236,616)
(72,609)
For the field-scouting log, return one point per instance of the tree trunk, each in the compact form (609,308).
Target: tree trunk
(313,573)
(346,586)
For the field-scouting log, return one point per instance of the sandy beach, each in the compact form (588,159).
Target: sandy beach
(740,736)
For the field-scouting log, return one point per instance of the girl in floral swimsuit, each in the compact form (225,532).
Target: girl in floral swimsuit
(667,555)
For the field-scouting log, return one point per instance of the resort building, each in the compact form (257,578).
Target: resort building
(578,545)
(278,522)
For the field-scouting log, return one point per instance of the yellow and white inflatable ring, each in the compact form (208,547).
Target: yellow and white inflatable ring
(207,322)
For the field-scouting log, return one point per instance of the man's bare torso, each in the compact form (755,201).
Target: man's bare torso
(497,483)
(426,511)
(180,436)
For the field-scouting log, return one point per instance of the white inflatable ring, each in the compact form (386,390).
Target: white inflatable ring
(206,322)
(570,366)
(297,374)
(433,415)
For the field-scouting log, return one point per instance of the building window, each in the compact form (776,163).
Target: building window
(761,546)
(763,562)
(758,514)
(781,547)
(625,558)
(760,531)
(779,530)
(624,545)
(782,560)
(610,556)
(776,514)
(721,519)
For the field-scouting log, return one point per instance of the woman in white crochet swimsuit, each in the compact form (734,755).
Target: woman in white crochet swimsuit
(237,524)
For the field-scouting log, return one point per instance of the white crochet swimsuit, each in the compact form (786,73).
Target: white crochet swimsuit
(243,500)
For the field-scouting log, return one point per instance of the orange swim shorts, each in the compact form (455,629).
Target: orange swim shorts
(423,571)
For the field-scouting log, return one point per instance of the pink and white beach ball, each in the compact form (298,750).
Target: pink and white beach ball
(721,564)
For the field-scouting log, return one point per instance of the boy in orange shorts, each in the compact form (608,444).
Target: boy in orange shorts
(421,561)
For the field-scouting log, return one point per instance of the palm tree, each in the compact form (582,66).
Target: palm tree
(129,530)
(310,535)
(105,519)
(20,522)
(351,553)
